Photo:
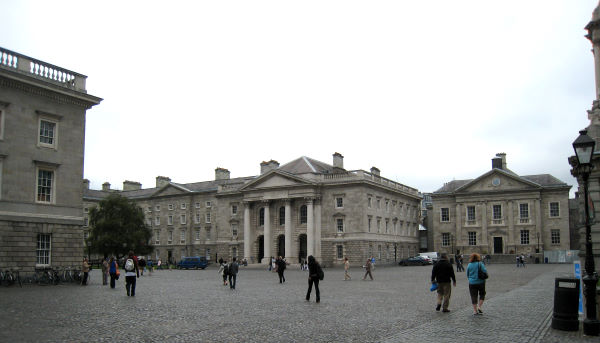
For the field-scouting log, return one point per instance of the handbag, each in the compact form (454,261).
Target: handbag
(434,287)
(481,274)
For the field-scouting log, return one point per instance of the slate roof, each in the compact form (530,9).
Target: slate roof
(304,165)
(543,180)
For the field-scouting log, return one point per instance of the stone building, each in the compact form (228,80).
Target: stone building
(501,212)
(302,208)
(42,132)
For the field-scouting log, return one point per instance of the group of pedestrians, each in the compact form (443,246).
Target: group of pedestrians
(229,271)
(443,274)
(520,261)
(110,269)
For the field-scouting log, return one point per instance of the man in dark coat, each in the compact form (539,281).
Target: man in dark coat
(280,262)
(233,272)
(442,273)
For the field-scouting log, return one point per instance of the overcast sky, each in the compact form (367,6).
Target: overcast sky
(427,91)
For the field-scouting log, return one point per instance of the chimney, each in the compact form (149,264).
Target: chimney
(338,161)
(496,163)
(162,181)
(106,186)
(222,174)
(375,171)
(131,185)
(267,166)
(86,184)
(503,157)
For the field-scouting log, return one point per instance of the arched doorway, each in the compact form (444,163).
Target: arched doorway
(281,245)
(301,247)
(261,247)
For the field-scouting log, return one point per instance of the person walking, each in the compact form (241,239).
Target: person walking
(142,265)
(132,270)
(314,272)
(368,270)
(442,273)
(280,262)
(85,268)
(233,271)
(476,285)
(105,271)
(346,267)
(223,270)
(113,268)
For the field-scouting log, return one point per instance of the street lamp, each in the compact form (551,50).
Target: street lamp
(584,149)
(537,251)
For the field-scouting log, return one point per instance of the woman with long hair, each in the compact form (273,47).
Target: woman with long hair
(313,278)
(476,285)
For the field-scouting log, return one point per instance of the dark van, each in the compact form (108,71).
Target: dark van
(194,262)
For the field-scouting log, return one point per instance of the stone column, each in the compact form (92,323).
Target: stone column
(458,232)
(310,228)
(538,224)
(288,229)
(247,241)
(511,223)
(318,230)
(267,233)
(484,224)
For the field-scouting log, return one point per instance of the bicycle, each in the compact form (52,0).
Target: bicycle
(45,276)
(10,277)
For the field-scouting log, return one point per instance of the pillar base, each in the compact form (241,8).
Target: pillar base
(591,327)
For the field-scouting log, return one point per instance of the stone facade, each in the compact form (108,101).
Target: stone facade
(501,212)
(42,129)
(302,208)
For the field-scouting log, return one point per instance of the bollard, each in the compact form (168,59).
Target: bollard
(566,304)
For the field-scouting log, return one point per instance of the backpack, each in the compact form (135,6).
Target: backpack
(129,265)
(226,269)
(320,273)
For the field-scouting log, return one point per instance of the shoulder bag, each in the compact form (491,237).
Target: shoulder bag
(480,273)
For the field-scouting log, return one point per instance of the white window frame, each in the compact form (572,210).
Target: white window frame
(198,219)
(369,202)
(234,209)
(234,229)
(157,221)
(157,208)
(207,218)
(182,236)
(208,204)
(472,220)
(339,249)
(447,217)
(557,209)
(339,202)
(183,206)
(54,143)
(555,236)
(497,219)
(86,221)
(524,238)
(369,221)
(170,219)
(472,238)
(171,207)
(170,237)
(523,208)
(339,225)
(197,205)
(52,185)
(43,250)
(157,236)
(198,231)
(183,219)
(445,239)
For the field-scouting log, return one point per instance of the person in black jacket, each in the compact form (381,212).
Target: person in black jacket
(280,262)
(313,277)
(442,273)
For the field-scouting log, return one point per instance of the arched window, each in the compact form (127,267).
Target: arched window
(282,215)
(261,216)
(303,214)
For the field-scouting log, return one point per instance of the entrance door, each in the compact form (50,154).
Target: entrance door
(261,248)
(498,246)
(302,248)
(281,245)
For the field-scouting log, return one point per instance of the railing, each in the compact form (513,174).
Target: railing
(14,61)
(364,175)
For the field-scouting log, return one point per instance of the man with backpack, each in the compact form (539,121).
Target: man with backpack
(131,272)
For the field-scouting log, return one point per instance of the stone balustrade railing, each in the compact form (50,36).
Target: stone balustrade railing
(41,70)
(364,175)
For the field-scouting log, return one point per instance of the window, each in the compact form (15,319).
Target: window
(523,213)
(148,209)
(555,236)
(45,186)
(340,224)
(197,234)
(171,207)
(234,230)
(157,220)
(234,252)
(387,225)
(445,214)
(157,207)
(261,216)
(234,209)
(445,239)
(339,202)
(369,202)
(524,236)
(148,221)
(303,214)
(86,221)
(182,236)
(183,219)
(340,252)
(378,225)
(170,220)
(86,210)
(378,204)
(282,215)
(197,205)
(208,204)
(207,218)
(183,206)
(554,210)
(43,249)
(369,224)
(48,131)
(471,214)
(197,219)
(497,214)
(472,237)
(387,205)
(156,236)
(170,237)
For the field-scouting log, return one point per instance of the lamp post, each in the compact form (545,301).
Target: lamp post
(584,149)
(538,247)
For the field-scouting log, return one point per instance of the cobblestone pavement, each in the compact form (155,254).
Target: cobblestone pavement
(194,306)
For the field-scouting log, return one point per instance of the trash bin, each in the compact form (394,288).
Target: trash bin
(566,304)
(545,260)
(537,260)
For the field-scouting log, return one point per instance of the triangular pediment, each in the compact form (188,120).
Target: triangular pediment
(497,180)
(170,189)
(276,179)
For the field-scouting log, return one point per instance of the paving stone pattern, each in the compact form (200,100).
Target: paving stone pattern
(194,306)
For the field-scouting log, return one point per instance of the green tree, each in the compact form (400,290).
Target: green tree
(117,227)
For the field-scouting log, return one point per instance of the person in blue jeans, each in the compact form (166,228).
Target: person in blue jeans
(233,271)
(476,285)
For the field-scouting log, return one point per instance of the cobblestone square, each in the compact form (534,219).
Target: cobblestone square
(194,306)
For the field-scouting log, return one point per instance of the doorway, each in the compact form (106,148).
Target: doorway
(261,248)
(498,245)
(302,248)
(281,245)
